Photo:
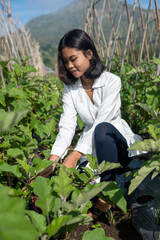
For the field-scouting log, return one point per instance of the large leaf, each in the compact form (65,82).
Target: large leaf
(57,223)
(13,222)
(14,152)
(96,234)
(41,165)
(63,184)
(84,196)
(116,195)
(107,166)
(38,220)
(10,119)
(146,145)
(142,173)
(149,109)
(12,169)
(43,189)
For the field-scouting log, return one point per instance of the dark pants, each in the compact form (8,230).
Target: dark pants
(110,146)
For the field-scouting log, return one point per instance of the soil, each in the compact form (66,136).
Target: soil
(120,229)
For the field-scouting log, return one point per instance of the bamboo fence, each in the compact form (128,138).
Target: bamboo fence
(141,37)
(16,41)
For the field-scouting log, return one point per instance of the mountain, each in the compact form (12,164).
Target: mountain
(48,29)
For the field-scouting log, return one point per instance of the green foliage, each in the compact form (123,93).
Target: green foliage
(14,224)
(9,119)
(30,109)
(96,234)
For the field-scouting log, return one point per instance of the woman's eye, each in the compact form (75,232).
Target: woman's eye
(73,59)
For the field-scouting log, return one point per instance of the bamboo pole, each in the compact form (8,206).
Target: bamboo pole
(112,23)
(131,37)
(127,37)
(116,37)
(144,34)
(102,33)
(110,39)
(158,30)
(2,77)
(142,20)
(9,36)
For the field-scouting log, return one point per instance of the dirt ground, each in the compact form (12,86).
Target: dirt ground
(120,229)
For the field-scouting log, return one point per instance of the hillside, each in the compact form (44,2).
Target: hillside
(48,29)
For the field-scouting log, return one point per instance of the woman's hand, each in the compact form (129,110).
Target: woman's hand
(72,159)
(51,168)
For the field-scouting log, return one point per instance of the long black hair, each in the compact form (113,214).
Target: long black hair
(80,40)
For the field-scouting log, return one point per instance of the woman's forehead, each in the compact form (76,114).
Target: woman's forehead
(68,52)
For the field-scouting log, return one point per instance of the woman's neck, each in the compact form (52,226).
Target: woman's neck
(87,82)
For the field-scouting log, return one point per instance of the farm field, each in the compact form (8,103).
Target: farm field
(33,207)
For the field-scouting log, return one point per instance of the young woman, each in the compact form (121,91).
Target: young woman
(94,94)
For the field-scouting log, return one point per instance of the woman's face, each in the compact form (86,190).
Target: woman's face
(75,61)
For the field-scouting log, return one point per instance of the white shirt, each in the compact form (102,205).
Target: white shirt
(106,108)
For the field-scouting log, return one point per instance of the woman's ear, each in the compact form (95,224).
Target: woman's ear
(89,54)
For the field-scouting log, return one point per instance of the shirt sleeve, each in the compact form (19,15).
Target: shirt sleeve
(67,125)
(107,112)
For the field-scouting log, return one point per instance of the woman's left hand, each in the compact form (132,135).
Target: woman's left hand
(72,159)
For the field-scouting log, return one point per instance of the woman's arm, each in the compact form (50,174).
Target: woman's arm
(72,159)
(67,125)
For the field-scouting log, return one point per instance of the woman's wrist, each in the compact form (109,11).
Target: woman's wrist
(54,158)
(77,155)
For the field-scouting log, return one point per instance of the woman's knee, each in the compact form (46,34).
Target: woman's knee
(102,128)
(101,133)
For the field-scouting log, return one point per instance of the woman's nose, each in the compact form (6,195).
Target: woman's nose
(70,65)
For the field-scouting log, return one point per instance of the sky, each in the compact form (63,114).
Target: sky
(28,9)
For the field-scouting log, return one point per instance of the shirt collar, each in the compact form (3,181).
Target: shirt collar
(98,82)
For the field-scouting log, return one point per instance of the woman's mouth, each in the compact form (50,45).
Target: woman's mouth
(74,72)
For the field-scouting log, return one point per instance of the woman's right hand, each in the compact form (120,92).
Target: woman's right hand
(51,168)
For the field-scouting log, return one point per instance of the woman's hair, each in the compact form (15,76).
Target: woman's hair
(80,40)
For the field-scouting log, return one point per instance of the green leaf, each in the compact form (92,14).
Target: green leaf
(141,175)
(13,222)
(88,171)
(81,124)
(4,63)
(96,234)
(154,131)
(136,70)
(17,93)
(28,69)
(14,152)
(38,220)
(93,161)
(26,58)
(116,195)
(2,98)
(12,169)
(57,223)
(77,175)
(10,119)
(149,109)
(107,166)
(146,145)
(17,70)
(43,189)
(84,196)
(63,184)
(156,61)
(83,218)
(49,127)
(41,165)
